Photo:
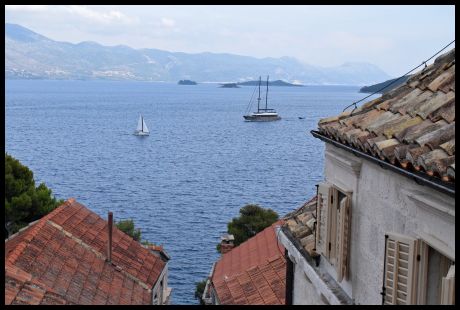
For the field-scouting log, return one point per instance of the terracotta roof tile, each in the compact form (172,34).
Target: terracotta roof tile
(65,252)
(433,103)
(302,220)
(445,78)
(253,272)
(20,288)
(402,124)
(409,126)
(412,98)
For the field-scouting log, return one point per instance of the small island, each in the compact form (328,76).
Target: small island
(230,85)
(274,83)
(386,86)
(186,82)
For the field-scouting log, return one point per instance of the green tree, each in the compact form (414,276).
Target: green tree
(127,226)
(252,220)
(24,203)
(199,290)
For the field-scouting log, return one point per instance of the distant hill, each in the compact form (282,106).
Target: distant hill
(186,82)
(29,55)
(376,87)
(274,83)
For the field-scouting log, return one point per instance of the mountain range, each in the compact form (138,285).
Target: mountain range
(29,55)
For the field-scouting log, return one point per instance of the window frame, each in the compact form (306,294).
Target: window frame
(418,270)
(330,238)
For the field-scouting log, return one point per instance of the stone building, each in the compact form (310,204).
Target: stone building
(73,256)
(381,229)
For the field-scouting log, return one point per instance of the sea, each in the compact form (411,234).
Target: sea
(182,184)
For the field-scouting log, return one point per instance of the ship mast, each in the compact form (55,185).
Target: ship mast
(266,96)
(258,99)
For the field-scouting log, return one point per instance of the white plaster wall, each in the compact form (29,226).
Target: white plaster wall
(384,201)
(304,293)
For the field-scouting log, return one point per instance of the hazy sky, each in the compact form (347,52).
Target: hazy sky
(395,38)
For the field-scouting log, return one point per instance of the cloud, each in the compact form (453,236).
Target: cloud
(98,17)
(168,22)
(27,8)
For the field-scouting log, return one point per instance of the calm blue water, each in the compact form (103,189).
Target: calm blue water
(184,182)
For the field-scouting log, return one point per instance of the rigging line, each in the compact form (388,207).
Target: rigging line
(249,104)
(394,81)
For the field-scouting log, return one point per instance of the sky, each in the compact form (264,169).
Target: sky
(395,38)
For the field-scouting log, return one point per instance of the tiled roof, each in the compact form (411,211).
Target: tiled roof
(253,272)
(21,289)
(412,126)
(301,224)
(66,251)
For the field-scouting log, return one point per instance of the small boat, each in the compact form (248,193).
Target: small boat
(142,129)
(262,114)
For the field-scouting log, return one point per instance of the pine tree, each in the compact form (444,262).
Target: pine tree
(24,203)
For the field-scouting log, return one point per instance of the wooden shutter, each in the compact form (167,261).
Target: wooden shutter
(333,225)
(323,208)
(343,238)
(400,270)
(448,287)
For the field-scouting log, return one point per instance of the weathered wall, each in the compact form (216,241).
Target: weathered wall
(384,201)
(304,293)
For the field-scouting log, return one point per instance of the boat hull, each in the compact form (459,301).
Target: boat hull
(140,133)
(261,118)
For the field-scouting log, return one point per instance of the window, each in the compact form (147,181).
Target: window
(333,215)
(416,273)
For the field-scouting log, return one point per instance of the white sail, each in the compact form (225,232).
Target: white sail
(139,124)
(146,129)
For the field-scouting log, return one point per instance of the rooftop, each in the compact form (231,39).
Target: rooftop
(254,272)
(20,288)
(301,223)
(65,254)
(411,127)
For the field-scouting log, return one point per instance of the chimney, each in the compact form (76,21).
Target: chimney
(226,243)
(109,244)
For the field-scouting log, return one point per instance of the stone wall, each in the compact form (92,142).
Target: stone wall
(384,201)
(304,293)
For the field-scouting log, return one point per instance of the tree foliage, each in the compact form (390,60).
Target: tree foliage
(24,203)
(127,226)
(199,290)
(252,220)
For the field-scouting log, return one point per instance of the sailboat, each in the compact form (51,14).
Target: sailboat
(142,129)
(262,114)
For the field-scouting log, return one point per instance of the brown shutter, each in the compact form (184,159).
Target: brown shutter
(343,238)
(333,225)
(323,219)
(400,270)
(448,287)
